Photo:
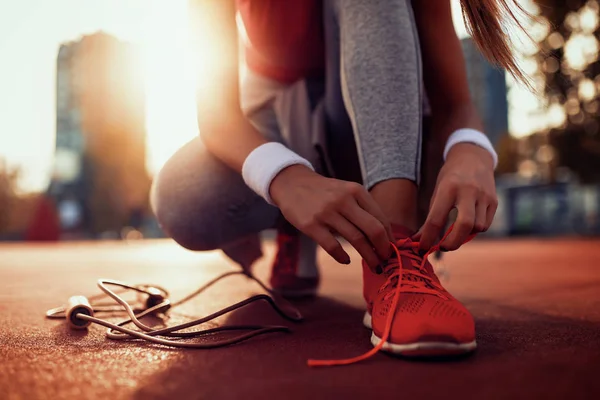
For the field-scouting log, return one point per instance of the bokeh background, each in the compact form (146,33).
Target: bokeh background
(95,95)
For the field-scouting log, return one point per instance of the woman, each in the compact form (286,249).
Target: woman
(323,138)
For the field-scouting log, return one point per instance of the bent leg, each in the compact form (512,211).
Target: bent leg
(203,204)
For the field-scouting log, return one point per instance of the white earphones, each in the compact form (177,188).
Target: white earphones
(80,313)
(156,295)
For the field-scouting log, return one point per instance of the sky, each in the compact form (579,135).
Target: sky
(31,32)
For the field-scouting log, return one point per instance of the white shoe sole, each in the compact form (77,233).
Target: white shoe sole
(420,348)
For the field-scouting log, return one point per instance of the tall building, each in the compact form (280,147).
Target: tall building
(100,180)
(488,90)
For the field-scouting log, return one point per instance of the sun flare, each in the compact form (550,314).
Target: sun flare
(170,83)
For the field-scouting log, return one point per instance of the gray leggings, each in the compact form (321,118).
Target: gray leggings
(372,98)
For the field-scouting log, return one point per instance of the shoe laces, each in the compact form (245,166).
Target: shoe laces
(417,278)
(398,278)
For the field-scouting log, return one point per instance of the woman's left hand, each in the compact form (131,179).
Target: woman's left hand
(465,182)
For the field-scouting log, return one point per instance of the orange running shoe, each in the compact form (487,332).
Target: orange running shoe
(295,273)
(427,320)
(409,311)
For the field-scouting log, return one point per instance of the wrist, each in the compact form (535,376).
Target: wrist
(461,149)
(471,137)
(287,176)
(265,163)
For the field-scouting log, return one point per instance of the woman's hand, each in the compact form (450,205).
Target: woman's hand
(322,207)
(466,182)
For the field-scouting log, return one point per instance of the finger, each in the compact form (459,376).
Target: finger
(464,223)
(355,237)
(367,203)
(417,236)
(491,212)
(481,224)
(371,227)
(436,220)
(329,243)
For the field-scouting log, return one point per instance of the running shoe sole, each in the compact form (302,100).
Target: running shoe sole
(421,349)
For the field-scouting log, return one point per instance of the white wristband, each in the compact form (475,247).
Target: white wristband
(264,163)
(471,136)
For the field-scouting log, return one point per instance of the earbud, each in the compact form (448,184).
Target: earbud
(80,314)
(78,305)
(155,297)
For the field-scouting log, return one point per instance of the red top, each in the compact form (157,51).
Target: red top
(285,38)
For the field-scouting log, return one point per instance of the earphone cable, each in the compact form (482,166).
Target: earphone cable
(119,332)
(171,343)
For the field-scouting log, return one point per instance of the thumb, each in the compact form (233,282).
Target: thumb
(417,236)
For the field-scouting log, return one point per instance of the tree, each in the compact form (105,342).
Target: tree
(569,65)
(508,157)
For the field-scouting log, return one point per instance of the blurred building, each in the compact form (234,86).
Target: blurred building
(488,89)
(100,182)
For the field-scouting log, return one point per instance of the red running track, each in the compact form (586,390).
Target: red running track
(536,304)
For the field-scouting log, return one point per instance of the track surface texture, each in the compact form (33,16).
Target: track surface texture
(536,304)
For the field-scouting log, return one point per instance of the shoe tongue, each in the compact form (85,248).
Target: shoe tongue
(400,233)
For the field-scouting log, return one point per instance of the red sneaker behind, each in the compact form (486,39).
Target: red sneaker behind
(294,272)
(426,320)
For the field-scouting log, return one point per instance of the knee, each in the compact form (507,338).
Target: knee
(202,204)
(177,219)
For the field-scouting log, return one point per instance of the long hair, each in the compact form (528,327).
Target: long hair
(484,21)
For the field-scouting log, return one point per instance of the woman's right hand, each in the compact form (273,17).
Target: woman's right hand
(322,207)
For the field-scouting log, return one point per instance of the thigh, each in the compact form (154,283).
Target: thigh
(203,204)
